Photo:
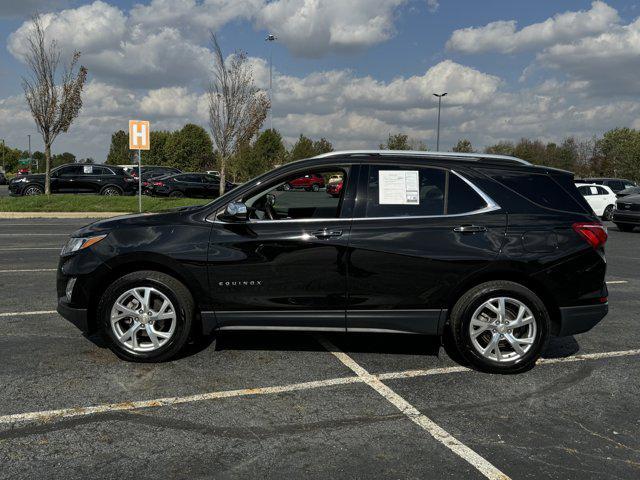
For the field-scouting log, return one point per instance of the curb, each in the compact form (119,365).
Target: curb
(61,214)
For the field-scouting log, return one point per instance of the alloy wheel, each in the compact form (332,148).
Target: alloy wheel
(143,319)
(503,329)
(30,191)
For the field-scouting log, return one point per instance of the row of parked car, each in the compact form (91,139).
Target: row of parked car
(158,181)
(613,199)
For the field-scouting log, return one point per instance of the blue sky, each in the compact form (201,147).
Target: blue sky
(352,71)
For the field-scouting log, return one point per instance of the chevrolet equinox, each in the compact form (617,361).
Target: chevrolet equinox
(493,252)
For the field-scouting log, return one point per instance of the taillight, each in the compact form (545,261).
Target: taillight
(158,184)
(594,233)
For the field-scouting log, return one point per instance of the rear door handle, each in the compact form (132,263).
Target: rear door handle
(470,228)
(327,233)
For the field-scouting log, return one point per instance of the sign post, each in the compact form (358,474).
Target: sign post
(139,140)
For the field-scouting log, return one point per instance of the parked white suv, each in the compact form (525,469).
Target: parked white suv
(600,198)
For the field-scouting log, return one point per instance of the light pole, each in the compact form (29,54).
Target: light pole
(4,168)
(271,38)
(438,131)
(30,159)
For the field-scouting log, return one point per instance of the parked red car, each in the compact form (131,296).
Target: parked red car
(335,189)
(22,171)
(309,182)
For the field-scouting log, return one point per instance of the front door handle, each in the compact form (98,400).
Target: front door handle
(470,228)
(327,233)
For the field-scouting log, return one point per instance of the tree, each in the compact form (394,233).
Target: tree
(400,141)
(303,148)
(463,146)
(237,109)
(619,152)
(189,148)
(53,106)
(322,146)
(119,153)
(62,158)
(500,148)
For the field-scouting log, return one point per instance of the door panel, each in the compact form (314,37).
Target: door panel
(280,273)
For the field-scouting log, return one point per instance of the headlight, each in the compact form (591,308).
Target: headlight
(78,243)
(19,179)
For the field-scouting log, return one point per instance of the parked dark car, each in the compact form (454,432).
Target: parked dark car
(155,171)
(628,191)
(626,215)
(3,179)
(491,251)
(191,185)
(615,184)
(78,178)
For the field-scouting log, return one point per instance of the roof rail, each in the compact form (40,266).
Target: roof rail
(417,153)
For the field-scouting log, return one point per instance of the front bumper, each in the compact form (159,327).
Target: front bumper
(77,316)
(574,320)
(626,216)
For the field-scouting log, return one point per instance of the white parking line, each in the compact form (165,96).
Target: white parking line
(22,314)
(51,415)
(445,438)
(615,282)
(29,270)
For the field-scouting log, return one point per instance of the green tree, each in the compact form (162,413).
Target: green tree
(533,151)
(303,148)
(156,154)
(189,148)
(62,158)
(463,146)
(264,154)
(119,153)
(322,146)
(500,148)
(398,141)
(619,152)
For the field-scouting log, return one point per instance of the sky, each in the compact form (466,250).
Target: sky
(350,71)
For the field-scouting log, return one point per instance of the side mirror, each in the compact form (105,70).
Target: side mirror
(235,211)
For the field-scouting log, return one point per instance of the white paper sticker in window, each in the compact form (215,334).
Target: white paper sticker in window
(88,169)
(398,187)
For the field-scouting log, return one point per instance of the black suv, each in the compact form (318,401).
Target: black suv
(77,178)
(191,185)
(615,184)
(491,251)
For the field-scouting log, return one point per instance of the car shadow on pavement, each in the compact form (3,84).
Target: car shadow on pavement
(561,347)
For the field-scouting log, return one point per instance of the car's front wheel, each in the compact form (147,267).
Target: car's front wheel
(500,327)
(608,213)
(176,194)
(146,316)
(111,191)
(32,190)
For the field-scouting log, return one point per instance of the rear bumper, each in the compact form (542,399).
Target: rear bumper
(77,316)
(574,320)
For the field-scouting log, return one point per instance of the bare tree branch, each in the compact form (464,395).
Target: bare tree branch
(237,109)
(53,107)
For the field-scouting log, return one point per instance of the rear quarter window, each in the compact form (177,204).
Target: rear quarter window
(545,190)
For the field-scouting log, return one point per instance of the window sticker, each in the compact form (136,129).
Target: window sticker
(87,169)
(398,187)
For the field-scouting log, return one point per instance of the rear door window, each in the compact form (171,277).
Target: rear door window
(462,198)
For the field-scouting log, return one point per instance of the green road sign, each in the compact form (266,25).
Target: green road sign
(24,161)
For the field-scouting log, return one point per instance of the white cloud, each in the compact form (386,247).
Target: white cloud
(433,5)
(605,64)
(312,28)
(502,36)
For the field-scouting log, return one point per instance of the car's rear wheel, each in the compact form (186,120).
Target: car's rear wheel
(33,190)
(111,191)
(146,316)
(315,187)
(176,194)
(286,187)
(625,227)
(500,327)
(608,213)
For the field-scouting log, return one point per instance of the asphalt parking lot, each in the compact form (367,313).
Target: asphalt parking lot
(287,405)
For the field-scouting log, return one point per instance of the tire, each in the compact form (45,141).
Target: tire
(111,191)
(608,213)
(286,187)
(625,227)
(175,331)
(505,359)
(176,194)
(315,187)
(32,190)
